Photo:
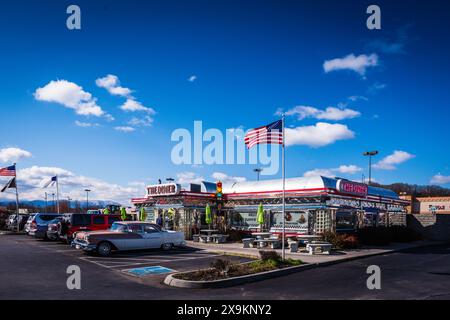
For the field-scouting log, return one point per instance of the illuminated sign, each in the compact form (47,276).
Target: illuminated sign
(169,189)
(349,187)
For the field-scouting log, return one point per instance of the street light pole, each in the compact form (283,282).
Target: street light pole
(87,199)
(258,171)
(370,154)
(46,202)
(53,202)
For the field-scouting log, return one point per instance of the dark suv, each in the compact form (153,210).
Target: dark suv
(73,222)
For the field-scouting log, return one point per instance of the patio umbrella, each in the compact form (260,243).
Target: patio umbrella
(260,215)
(208,218)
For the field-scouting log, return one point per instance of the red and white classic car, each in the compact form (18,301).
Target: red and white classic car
(128,235)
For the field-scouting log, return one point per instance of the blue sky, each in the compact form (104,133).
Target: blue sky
(249,59)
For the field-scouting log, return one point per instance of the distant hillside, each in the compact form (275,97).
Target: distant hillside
(413,189)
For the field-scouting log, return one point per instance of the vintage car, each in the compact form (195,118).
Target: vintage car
(128,235)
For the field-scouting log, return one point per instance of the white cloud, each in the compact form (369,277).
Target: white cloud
(146,121)
(330,113)
(390,162)
(31,180)
(124,129)
(185,178)
(318,135)
(70,95)
(13,154)
(86,124)
(351,62)
(344,169)
(220,176)
(112,84)
(192,78)
(132,105)
(356,98)
(376,87)
(440,179)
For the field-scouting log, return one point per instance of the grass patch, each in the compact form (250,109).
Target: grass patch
(224,269)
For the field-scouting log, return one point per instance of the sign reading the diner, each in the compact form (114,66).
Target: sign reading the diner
(168,189)
(354,188)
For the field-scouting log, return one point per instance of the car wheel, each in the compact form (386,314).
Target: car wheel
(167,246)
(104,249)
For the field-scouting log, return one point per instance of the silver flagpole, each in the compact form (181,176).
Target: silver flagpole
(57,194)
(283,168)
(17,197)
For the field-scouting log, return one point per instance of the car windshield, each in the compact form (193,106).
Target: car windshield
(118,227)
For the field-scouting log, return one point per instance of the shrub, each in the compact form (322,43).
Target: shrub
(269,255)
(234,235)
(222,266)
(341,241)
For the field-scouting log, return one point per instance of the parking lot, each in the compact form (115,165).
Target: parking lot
(177,259)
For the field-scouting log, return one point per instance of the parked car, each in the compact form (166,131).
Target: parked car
(28,223)
(128,235)
(39,225)
(53,228)
(74,222)
(13,219)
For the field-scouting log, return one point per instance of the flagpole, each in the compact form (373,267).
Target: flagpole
(57,194)
(17,198)
(283,169)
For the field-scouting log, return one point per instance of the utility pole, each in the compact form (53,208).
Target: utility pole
(370,154)
(87,199)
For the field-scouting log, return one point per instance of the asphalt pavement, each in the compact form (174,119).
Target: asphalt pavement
(34,269)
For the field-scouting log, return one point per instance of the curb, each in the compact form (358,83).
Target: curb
(189,284)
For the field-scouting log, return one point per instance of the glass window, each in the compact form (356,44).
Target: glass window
(150,229)
(98,220)
(135,228)
(346,220)
(81,220)
(118,227)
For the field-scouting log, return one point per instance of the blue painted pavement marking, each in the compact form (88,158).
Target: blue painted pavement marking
(148,270)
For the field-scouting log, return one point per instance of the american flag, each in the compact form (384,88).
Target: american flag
(269,134)
(8,171)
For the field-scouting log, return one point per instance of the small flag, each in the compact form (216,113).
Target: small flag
(269,134)
(8,171)
(9,185)
(51,181)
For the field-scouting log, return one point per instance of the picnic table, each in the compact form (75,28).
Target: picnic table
(211,236)
(262,239)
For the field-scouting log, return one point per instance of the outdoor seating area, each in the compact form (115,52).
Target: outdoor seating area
(311,244)
(209,236)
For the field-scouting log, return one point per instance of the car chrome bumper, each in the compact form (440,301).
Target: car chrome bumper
(77,244)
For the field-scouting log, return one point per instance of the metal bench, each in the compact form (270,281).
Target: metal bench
(319,248)
(196,237)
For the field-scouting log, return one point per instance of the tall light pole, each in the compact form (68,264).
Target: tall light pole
(53,202)
(87,199)
(46,201)
(258,171)
(370,154)
(68,202)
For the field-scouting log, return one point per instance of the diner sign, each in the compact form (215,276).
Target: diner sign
(168,189)
(354,188)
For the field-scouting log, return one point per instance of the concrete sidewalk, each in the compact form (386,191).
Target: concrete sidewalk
(334,257)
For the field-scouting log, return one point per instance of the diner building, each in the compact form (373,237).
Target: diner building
(312,205)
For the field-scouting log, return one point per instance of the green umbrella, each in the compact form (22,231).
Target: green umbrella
(260,215)
(123,213)
(143,214)
(208,217)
